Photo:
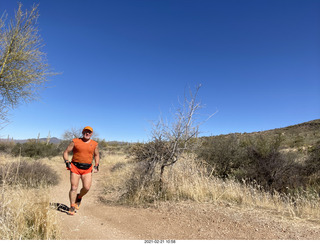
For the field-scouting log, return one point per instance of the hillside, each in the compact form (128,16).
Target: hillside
(294,136)
(304,134)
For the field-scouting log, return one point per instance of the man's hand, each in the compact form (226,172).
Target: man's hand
(96,169)
(68,164)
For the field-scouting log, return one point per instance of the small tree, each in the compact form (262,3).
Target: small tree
(23,66)
(169,140)
(72,133)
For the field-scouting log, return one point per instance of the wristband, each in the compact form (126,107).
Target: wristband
(68,164)
(96,167)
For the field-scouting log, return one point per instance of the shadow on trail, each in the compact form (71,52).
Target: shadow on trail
(60,207)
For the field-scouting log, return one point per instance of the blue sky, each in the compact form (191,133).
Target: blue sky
(123,63)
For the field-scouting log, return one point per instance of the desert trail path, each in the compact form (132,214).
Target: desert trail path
(171,221)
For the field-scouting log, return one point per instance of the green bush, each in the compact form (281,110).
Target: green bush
(256,158)
(271,168)
(6,147)
(224,155)
(35,149)
(313,160)
(312,167)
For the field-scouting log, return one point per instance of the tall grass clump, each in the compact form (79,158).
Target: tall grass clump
(118,169)
(25,212)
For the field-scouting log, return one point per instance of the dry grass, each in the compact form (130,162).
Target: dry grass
(119,170)
(25,212)
(188,180)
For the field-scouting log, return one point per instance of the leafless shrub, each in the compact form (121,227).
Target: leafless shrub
(169,141)
(72,133)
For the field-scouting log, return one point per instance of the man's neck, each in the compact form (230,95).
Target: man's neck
(85,140)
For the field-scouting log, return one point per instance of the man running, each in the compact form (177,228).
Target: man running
(81,167)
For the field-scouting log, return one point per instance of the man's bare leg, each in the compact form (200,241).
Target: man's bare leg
(74,180)
(86,184)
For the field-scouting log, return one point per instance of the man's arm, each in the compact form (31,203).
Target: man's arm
(67,151)
(96,159)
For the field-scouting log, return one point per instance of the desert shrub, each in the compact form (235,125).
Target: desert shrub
(254,158)
(264,160)
(143,184)
(28,174)
(151,151)
(169,140)
(312,167)
(35,149)
(151,159)
(224,155)
(313,161)
(6,147)
(271,168)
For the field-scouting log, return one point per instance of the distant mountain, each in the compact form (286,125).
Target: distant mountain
(53,140)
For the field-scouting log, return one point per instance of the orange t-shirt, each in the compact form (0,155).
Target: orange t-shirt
(83,151)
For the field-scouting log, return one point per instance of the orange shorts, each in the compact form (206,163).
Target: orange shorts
(78,171)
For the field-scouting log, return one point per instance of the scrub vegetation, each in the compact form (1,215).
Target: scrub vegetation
(268,170)
(276,170)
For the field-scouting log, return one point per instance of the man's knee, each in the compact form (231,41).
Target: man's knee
(74,188)
(86,182)
(86,188)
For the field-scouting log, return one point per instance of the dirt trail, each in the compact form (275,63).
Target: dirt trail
(170,221)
